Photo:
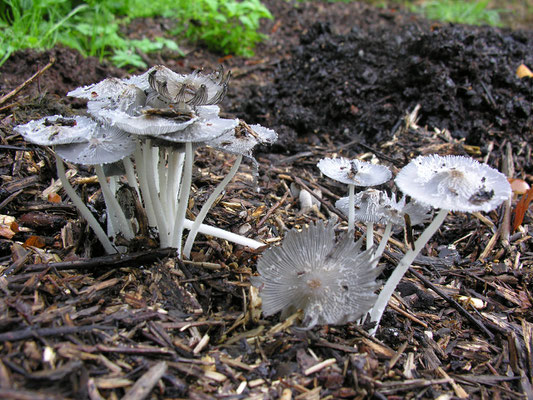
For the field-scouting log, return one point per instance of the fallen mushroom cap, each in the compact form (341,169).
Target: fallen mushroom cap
(56,129)
(454,183)
(333,283)
(354,172)
(376,206)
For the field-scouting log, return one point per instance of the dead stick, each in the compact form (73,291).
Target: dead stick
(272,209)
(27,333)
(453,303)
(144,385)
(14,92)
(111,261)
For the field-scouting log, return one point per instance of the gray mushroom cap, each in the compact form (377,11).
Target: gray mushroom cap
(332,282)
(54,130)
(149,122)
(354,172)
(454,183)
(105,145)
(207,127)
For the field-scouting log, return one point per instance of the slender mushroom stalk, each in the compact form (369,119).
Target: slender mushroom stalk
(224,235)
(112,204)
(82,208)
(402,267)
(185,188)
(449,183)
(207,206)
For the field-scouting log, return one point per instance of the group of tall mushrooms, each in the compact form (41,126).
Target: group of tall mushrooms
(141,134)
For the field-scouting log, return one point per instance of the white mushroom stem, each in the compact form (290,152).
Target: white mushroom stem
(151,178)
(403,266)
(351,207)
(185,189)
(175,167)
(207,206)
(130,175)
(162,174)
(369,235)
(143,182)
(120,223)
(225,235)
(384,239)
(82,208)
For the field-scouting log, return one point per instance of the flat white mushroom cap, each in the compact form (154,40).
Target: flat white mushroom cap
(53,130)
(354,172)
(454,183)
(332,282)
(105,145)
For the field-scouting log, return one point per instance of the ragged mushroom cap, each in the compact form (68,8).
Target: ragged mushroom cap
(165,86)
(454,183)
(243,138)
(56,129)
(354,172)
(332,282)
(376,206)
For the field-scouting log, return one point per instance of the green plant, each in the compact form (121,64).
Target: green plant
(94,27)
(464,12)
(228,26)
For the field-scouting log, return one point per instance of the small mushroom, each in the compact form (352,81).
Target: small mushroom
(451,183)
(355,173)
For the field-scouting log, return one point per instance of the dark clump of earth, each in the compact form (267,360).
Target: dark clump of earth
(361,84)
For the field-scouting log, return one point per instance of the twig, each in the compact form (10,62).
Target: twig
(110,261)
(14,92)
(272,209)
(144,385)
(27,333)
(454,304)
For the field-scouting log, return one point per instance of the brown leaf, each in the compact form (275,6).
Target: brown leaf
(521,208)
(54,198)
(35,241)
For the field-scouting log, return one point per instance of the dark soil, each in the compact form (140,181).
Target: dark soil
(333,79)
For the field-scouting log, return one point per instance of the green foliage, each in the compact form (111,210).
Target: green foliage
(229,26)
(94,27)
(464,12)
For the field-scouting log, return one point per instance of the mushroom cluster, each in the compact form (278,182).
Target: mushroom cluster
(334,282)
(142,132)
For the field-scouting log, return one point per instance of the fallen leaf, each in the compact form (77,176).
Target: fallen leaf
(521,208)
(54,198)
(35,241)
(522,71)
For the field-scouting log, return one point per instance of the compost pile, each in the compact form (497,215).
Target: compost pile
(360,84)
(339,79)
